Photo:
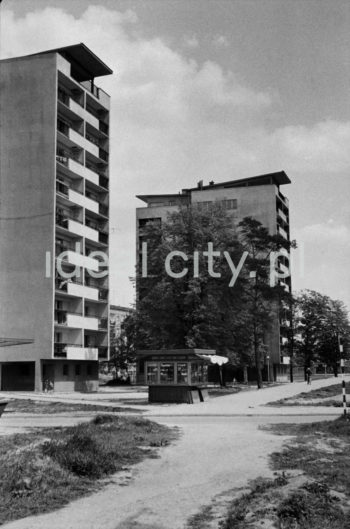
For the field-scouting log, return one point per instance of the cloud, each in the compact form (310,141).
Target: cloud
(329,233)
(175,120)
(221,41)
(191,42)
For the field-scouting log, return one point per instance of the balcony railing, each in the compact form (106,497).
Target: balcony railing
(103,294)
(103,181)
(103,127)
(103,155)
(93,140)
(103,210)
(102,237)
(61,283)
(61,316)
(60,349)
(62,188)
(103,323)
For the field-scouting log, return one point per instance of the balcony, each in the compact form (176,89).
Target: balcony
(72,108)
(75,352)
(73,320)
(70,163)
(282,232)
(72,257)
(101,96)
(103,210)
(282,215)
(91,323)
(62,283)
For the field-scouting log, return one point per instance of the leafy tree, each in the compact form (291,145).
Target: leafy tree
(198,310)
(322,325)
(123,345)
(263,301)
(195,310)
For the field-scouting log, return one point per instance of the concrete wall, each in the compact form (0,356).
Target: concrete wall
(252,201)
(27,194)
(72,382)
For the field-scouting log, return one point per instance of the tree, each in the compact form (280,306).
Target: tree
(123,350)
(196,309)
(199,308)
(263,300)
(322,325)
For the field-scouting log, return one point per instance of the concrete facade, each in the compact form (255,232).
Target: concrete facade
(54,174)
(258,197)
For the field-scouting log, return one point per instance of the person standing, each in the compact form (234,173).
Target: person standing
(308,375)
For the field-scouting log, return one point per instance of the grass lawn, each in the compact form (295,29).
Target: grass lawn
(304,399)
(310,488)
(47,407)
(45,469)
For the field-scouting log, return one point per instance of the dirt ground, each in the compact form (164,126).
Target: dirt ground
(213,456)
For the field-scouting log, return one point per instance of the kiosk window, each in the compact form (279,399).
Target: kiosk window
(196,372)
(152,373)
(182,376)
(167,372)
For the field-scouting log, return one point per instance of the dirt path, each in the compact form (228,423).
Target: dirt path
(212,456)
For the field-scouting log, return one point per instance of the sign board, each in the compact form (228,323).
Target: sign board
(286,360)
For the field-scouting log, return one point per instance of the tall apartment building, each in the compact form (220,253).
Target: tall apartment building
(54,208)
(259,197)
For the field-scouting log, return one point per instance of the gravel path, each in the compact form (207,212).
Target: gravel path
(218,451)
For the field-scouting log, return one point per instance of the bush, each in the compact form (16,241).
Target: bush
(82,455)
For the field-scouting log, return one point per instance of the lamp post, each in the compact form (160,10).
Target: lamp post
(268,368)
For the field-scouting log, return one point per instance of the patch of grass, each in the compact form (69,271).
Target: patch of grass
(201,520)
(302,399)
(44,470)
(317,496)
(219,392)
(47,407)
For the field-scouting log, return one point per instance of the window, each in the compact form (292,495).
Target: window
(65,370)
(77,370)
(167,373)
(152,373)
(182,373)
(89,370)
(230,204)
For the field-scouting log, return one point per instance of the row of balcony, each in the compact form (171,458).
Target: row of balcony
(74,287)
(79,352)
(76,320)
(88,171)
(87,201)
(70,223)
(87,142)
(75,105)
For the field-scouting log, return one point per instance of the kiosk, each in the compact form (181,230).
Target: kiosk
(176,375)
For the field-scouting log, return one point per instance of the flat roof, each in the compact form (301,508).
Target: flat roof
(278,178)
(85,63)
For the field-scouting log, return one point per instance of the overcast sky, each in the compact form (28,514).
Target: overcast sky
(216,90)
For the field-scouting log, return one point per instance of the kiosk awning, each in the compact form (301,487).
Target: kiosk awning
(214,359)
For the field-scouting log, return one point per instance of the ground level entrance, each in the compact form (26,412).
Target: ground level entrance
(18,376)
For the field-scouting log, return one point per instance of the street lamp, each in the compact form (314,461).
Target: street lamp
(268,368)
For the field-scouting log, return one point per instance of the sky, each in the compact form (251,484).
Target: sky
(216,90)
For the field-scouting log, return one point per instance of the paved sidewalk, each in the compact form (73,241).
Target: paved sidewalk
(246,403)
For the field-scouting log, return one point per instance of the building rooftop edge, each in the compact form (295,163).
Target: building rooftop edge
(79,53)
(278,178)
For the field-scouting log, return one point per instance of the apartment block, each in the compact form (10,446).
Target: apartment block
(259,197)
(54,220)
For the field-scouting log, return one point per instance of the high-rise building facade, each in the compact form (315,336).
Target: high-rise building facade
(54,211)
(259,197)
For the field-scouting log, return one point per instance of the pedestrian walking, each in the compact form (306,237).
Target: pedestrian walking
(308,375)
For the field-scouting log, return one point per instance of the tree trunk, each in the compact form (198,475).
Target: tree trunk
(257,360)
